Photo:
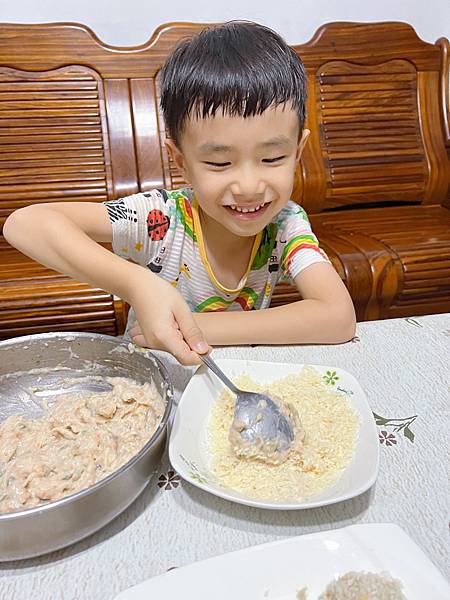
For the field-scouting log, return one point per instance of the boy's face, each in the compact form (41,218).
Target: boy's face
(242,170)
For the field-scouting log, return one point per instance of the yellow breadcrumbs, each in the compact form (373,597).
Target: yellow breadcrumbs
(331,427)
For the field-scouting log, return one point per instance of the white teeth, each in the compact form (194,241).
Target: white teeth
(243,209)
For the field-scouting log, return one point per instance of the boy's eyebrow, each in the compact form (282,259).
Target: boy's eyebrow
(208,147)
(279,140)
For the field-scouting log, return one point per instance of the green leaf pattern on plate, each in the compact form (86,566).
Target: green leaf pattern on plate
(330,377)
(194,470)
(199,478)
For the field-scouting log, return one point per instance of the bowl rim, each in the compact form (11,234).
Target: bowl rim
(229,494)
(42,508)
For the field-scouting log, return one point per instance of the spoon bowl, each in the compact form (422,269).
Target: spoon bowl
(262,427)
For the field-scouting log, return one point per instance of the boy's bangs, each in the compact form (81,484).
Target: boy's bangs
(240,69)
(237,98)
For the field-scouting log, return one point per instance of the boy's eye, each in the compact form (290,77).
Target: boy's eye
(273,160)
(217,164)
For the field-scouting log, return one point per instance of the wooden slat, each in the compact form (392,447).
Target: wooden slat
(121,140)
(146,134)
(173,179)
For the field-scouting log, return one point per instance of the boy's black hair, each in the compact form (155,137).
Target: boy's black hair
(239,67)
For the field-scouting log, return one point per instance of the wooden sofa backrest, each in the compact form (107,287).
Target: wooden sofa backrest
(377,117)
(80,120)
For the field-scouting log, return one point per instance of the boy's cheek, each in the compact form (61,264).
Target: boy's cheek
(284,182)
(210,187)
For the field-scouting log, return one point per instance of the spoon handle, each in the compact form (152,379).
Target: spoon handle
(220,374)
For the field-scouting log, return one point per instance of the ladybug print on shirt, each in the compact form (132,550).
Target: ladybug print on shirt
(157,225)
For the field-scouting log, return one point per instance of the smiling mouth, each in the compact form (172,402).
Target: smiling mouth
(248,209)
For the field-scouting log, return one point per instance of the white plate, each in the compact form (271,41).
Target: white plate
(188,446)
(279,569)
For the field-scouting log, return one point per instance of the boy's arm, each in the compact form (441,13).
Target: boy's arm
(63,236)
(325,315)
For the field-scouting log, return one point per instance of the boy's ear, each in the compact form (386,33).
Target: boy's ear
(177,156)
(302,142)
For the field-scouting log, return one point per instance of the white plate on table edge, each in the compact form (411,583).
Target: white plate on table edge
(277,570)
(188,443)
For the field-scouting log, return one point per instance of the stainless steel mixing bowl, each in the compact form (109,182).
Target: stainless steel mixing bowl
(46,361)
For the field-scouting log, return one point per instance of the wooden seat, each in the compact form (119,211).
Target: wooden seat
(396,261)
(34,299)
(80,120)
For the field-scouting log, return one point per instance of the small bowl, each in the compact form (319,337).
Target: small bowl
(188,446)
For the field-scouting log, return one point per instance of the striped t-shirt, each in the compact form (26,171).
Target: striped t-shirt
(161,230)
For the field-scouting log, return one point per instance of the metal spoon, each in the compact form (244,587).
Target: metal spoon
(258,420)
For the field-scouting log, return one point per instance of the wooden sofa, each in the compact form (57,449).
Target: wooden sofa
(80,120)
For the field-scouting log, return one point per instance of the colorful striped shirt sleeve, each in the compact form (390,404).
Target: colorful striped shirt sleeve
(139,222)
(302,247)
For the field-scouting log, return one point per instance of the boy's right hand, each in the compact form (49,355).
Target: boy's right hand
(166,321)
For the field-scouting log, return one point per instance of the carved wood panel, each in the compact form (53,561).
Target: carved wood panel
(370,135)
(53,138)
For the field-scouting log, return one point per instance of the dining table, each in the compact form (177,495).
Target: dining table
(403,366)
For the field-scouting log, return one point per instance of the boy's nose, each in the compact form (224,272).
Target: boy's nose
(248,189)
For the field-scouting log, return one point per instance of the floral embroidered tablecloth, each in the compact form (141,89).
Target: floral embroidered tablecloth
(404,367)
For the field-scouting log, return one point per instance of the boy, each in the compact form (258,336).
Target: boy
(200,260)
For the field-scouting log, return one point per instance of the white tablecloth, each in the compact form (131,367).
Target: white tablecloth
(404,367)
